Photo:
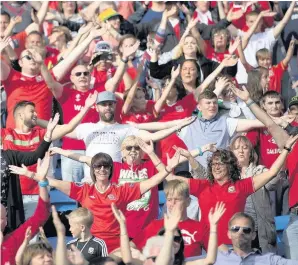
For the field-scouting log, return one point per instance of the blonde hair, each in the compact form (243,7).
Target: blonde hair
(82,216)
(178,51)
(35,249)
(129,140)
(263,54)
(178,187)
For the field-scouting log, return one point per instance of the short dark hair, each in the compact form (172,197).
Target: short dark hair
(101,260)
(227,157)
(4,13)
(242,215)
(216,30)
(35,32)
(271,94)
(207,94)
(102,159)
(22,104)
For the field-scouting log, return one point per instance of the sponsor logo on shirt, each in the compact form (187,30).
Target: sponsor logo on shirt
(78,97)
(179,108)
(188,237)
(111,197)
(92,197)
(90,250)
(231,189)
(271,141)
(39,79)
(273,151)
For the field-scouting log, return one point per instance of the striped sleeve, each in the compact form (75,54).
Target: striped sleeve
(102,246)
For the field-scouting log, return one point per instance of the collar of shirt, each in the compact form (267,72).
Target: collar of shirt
(211,120)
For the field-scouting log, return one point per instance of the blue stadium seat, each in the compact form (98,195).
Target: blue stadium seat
(281,223)
(61,201)
(162,201)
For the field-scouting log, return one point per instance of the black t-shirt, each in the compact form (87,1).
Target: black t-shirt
(93,248)
(291,29)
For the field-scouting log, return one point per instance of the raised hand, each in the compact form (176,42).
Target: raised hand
(147,148)
(60,228)
(91,99)
(175,72)
(171,12)
(36,53)
(85,28)
(234,15)
(215,214)
(235,45)
(230,61)
(173,161)
(97,32)
(43,167)
(55,150)
(186,121)
(221,83)
(184,9)
(118,214)
(150,82)
(21,250)
(182,151)
(53,122)
(4,42)
(192,23)
(19,170)
(171,220)
(128,51)
(267,13)
(209,147)
(291,141)
(16,20)
(242,94)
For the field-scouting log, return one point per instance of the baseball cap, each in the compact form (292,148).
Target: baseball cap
(107,14)
(105,96)
(293,101)
(103,46)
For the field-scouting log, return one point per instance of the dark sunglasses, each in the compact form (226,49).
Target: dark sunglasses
(100,166)
(129,148)
(28,57)
(245,230)
(80,73)
(177,239)
(152,258)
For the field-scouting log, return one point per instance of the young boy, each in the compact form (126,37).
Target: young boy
(80,221)
(276,72)
(293,109)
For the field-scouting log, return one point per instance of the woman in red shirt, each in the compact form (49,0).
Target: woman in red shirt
(99,195)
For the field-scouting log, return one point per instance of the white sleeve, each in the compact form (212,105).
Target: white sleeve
(83,130)
(232,126)
(269,38)
(132,131)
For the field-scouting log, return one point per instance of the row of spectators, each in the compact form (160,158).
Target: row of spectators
(193,98)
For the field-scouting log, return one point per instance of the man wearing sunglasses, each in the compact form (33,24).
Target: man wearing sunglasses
(241,232)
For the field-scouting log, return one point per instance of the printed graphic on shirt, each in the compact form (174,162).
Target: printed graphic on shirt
(99,137)
(129,176)
(188,237)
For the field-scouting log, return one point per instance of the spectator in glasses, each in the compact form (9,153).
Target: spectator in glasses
(242,233)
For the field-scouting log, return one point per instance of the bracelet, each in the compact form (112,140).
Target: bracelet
(43,183)
(167,170)
(124,61)
(289,149)
(200,150)
(250,103)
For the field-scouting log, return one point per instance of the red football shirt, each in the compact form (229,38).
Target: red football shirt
(105,225)
(12,140)
(232,194)
(72,101)
(20,87)
(195,235)
(181,109)
(275,76)
(144,209)
(268,149)
(141,117)
(292,166)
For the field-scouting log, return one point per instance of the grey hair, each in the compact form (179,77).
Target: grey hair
(155,241)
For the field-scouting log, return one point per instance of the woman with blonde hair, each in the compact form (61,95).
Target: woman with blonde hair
(258,205)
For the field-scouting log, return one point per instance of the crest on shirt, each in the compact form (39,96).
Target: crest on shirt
(9,137)
(78,97)
(179,108)
(111,197)
(271,141)
(38,78)
(90,250)
(231,189)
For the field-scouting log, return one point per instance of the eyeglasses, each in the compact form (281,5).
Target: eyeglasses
(218,164)
(177,239)
(220,35)
(152,258)
(80,73)
(28,57)
(106,167)
(129,148)
(245,230)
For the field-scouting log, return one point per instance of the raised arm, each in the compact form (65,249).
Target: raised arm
(160,176)
(260,180)
(68,129)
(5,68)
(112,83)
(290,53)
(64,66)
(71,155)
(13,22)
(281,25)
(161,101)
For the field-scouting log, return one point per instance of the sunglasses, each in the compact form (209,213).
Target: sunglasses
(80,73)
(245,230)
(177,239)
(129,148)
(28,57)
(106,167)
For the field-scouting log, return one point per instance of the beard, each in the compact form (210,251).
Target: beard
(108,118)
(29,123)
(242,243)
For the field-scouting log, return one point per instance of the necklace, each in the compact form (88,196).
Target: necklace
(84,244)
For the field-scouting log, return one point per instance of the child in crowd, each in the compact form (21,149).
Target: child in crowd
(80,221)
